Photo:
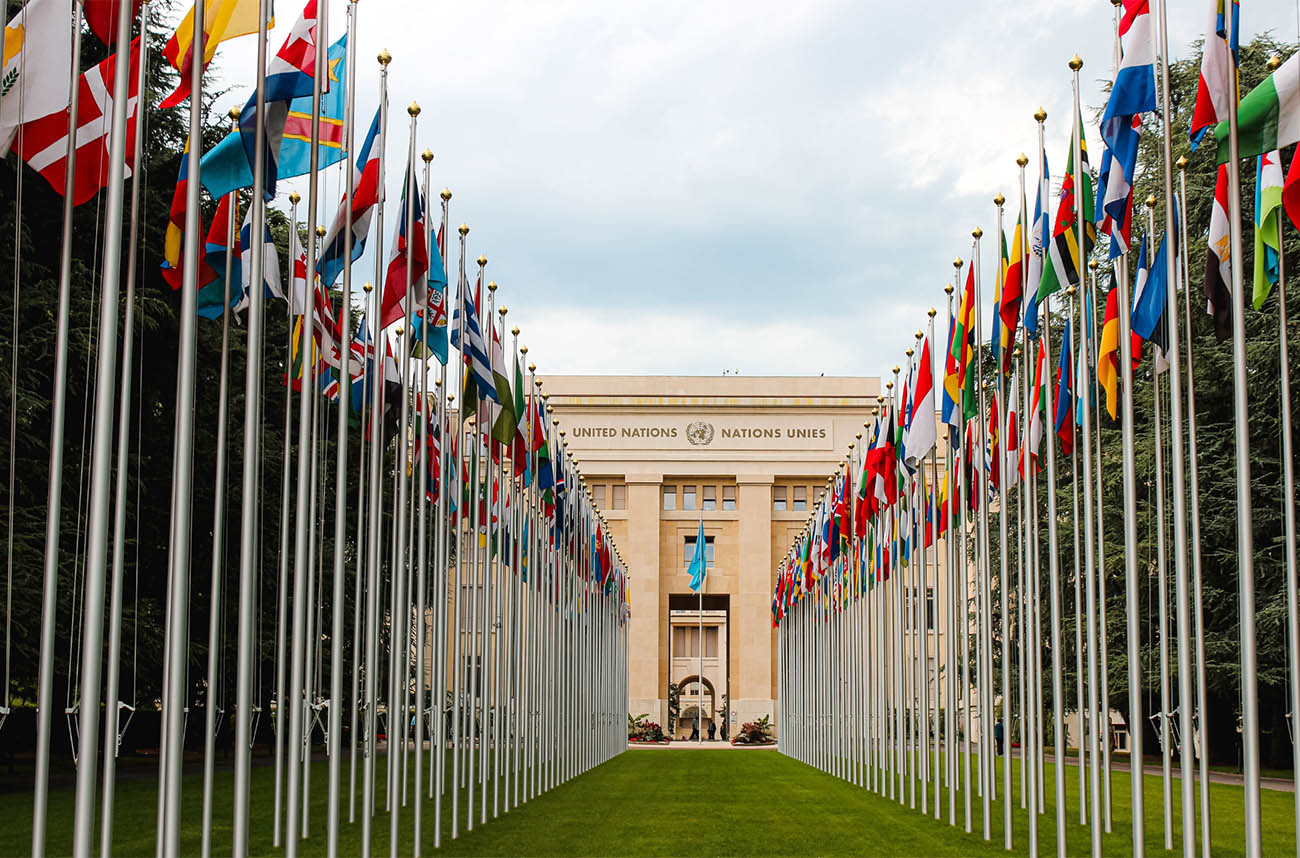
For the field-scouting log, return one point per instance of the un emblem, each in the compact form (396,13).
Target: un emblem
(700,433)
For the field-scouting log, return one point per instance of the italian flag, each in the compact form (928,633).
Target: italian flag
(1269,118)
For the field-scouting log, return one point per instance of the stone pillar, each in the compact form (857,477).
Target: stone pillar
(647,626)
(753,611)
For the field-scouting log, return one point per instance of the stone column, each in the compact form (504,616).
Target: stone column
(647,629)
(753,691)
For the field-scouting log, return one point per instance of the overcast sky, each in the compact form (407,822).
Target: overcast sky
(688,187)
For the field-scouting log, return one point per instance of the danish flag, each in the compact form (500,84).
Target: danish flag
(43,143)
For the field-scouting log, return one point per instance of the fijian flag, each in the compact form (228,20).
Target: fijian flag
(290,75)
(367,184)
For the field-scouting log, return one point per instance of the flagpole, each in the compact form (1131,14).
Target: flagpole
(1090,731)
(1022,501)
(114,705)
(1004,413)
(218,532)
(344,341)
(1071,293)
(54,496)
(1241,415)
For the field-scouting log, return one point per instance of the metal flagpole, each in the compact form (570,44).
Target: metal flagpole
(114,706)
(982,553)
(102,459)
(1202,715)
(306,452)
(54,496)
(335,738)
(1071,293)
(1090,730)
(1004,412)
(1245,533)
(174,660)
(218,534)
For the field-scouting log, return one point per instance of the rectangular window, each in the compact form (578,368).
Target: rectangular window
(679,642)
(688,497)
(778,498)
(800,498)
(598,495)
(618,497)
(709,497)
(728,497)
(688,551)
(710,641)
(929,610)
(670,497)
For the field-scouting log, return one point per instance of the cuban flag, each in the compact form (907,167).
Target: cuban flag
(1134,93)
(367,185)
(290,75)
(270,263)
(398,279)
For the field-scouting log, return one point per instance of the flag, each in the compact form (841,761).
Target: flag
(227,166)
(222,19)
(174,238)
(101,18)
(43,143)
(995,439)
(1133,93)
(397,279)
(434,338)
(473,350)
(963,345)
(1013,424)
(1063,250)
(951,387)
(366,187)
(509,415)
(1000,340)
(1218,266)
(1269,117)
(1064,392)
(886,464)
(923,434)
(212,296)
(1012,293)
(1268,201)
(1108,357)
(324,325)
(1214,90)
(270,263)
(290,74)
(1150,298)
(699,566)
(1291,193)
(1038,408)
(34,68)
(1040,231)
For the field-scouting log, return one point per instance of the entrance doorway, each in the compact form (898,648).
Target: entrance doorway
(698,664)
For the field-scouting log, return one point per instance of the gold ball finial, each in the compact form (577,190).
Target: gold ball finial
(437,382)
(910,351)
(492,285)
(501,311)
(1274,63)
(999,200)
(1181,163)
(413,109)
(889,385)
(1040,115)
(1016,353)
(1092,264)
(482,260)
(463,229)
(919,336)
(947,289)
(515,331)
(1022,159)
(859,435)
(897,369)
(320,232)
(399,330)
(368,288)
(1076,62)
(233,113)
(426,156)
(932,313)
(1151,201)
(384,57)
(1070,290)
(977,233)
(295,197)
(532,367)
(451,397)
(957,263)
(446,194)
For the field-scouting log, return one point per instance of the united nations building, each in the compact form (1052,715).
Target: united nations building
(747,455)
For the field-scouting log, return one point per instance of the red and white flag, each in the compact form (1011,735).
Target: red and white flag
(43,143)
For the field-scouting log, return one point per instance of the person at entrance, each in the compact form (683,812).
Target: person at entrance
(997,736)
(695,730)
(713,729)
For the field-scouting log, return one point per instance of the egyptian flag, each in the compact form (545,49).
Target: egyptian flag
(1218,268)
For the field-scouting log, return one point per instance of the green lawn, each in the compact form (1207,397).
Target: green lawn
(662,802)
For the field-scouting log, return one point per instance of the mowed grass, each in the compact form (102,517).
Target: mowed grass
(663,802)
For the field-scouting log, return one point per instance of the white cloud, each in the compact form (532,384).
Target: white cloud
(692,187)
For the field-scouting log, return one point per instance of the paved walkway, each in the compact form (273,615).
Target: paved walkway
(686,744)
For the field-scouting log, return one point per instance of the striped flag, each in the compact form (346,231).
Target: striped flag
(1063,251)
